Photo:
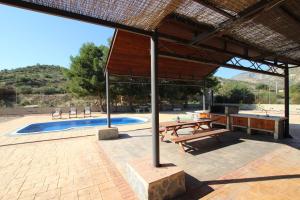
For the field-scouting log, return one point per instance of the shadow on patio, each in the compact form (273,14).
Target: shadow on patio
(208,164)
(197,189)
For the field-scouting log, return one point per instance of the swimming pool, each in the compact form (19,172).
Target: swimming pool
(70,124)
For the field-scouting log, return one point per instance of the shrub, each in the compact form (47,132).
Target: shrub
(25,90)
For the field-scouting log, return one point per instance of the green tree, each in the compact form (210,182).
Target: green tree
(7,96)
(295,93)
(85,76)
(179,92)
(233,92)
(262,86)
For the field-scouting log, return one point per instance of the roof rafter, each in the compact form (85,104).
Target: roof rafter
(263,52)
(290,14)
(175,56)
(208,48)
(214,8)
(188,21)
(195,26)
(249,13)
(263,56)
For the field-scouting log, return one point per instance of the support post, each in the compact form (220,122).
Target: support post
(212,97)
(286,103)
(107,100)
(203,100)
(154,98)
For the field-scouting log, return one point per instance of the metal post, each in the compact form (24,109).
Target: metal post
(211,97)
(154,99)
(286,102)
(107,100)
(203,100)
(269,94)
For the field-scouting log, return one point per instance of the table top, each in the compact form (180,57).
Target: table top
(183,122)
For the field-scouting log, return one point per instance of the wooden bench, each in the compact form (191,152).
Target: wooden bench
(181,140)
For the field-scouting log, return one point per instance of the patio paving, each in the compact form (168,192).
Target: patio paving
(74,165)
(74,168)
(274,176)
(213,161)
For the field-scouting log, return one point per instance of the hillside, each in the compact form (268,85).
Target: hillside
(266,79)
(45,79)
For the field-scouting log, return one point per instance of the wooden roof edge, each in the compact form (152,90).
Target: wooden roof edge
(110,50)
(161,77)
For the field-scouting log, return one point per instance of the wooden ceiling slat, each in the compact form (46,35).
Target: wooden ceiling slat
(130,55)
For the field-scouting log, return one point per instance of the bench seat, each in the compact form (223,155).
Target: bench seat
(199,134)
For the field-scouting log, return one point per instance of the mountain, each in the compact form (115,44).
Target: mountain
(36,79)
(267,79)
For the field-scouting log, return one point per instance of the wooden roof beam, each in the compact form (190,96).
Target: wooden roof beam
(205,61)
(263,56)
(209,5)
(206,47)
(264,53)
(193,24)
(290,14)
(248,14)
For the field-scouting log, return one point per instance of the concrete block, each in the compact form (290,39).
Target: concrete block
(108,133)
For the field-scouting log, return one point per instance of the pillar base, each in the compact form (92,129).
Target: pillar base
(108,133)
(148,182)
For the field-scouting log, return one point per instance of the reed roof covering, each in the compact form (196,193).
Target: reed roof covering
(267,29)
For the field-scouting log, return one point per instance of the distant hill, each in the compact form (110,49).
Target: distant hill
(266,79)
(46,79)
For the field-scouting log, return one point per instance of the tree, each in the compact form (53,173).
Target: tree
(85,76)
(262,86)
(179,92)
(7,96)
(233,92)
(295,93)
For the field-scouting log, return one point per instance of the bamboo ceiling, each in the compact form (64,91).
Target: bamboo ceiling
(265,29)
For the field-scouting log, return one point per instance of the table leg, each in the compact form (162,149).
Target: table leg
(209,124)
(181,147)
(162,135)
(175,131)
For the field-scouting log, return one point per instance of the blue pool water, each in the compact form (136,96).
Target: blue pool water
(69,124)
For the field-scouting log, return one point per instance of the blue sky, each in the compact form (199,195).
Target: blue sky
(28,38)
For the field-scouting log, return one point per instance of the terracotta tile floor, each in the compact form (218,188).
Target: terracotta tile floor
(60,169)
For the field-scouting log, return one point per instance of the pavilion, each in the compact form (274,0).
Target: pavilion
(188,40)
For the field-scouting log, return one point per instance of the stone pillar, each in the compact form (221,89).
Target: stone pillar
(149,182)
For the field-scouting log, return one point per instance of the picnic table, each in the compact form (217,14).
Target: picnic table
(174,126)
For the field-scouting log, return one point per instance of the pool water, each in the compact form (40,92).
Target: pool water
(70,124)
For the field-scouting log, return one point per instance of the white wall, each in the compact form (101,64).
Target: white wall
(294,108)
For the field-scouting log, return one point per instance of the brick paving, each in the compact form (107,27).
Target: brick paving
(61,169)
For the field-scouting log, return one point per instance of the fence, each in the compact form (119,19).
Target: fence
(47,110)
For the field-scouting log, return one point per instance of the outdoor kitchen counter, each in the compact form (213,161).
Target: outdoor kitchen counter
(275,118)
(270,124)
